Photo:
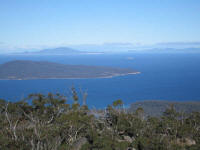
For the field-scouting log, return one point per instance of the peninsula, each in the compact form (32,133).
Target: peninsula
(25,70)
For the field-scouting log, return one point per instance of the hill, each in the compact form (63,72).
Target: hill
(156,108)
(47,70)
(58,51)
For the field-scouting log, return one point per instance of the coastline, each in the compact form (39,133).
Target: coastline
(111,76)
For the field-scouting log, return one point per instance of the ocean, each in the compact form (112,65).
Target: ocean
(169,76)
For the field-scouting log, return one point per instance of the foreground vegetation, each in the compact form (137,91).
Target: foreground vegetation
(49,122)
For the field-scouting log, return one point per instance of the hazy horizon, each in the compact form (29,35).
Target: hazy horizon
(32,25)
(106,47)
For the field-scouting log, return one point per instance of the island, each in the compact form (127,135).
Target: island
(26,70)
(58,51)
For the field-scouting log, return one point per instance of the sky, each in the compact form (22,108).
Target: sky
(46,23)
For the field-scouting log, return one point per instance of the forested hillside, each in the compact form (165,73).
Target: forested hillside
(156,108)
(49,122)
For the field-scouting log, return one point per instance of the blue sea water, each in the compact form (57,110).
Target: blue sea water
(174,77)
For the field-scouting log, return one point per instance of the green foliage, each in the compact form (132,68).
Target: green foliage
(48,122)
(118,103)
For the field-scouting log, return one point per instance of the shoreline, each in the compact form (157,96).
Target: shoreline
(106,77)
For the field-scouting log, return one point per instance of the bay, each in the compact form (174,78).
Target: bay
(170,76)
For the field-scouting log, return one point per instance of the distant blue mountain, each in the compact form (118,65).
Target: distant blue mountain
(106,48)
(58,51)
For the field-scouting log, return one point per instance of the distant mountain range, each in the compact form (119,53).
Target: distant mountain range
(168,50)
(137,47)
(110,48)
(22,70)
(58,51)
(69,51)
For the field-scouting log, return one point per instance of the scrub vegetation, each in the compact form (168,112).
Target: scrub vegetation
(50,122)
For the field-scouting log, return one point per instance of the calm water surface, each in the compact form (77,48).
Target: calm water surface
(163,77)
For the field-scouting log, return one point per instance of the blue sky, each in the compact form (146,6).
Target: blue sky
(41,23)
